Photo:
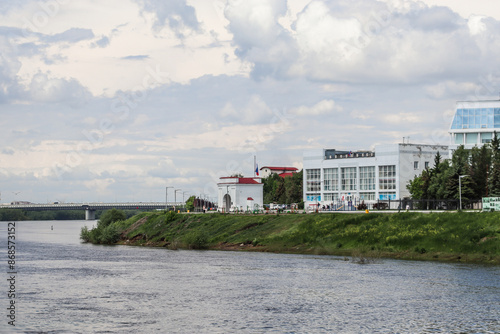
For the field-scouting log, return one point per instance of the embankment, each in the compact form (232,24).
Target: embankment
(466,237)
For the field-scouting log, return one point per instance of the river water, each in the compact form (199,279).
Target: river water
(64,286)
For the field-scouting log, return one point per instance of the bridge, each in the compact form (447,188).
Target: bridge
(90,208)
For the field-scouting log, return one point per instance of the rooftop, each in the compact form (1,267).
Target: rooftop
(240,180)
(335,154)
(280,168)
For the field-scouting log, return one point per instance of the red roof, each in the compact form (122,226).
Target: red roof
(242,180)
(247,180)
(249,199)
(280,168)
(283,175)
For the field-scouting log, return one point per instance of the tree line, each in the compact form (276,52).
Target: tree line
(281,190)
(480,165)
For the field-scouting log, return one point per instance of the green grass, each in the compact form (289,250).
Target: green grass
(470,237)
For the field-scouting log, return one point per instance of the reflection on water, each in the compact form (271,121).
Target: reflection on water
(70,287)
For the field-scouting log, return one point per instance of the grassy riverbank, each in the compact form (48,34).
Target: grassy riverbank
(467,237)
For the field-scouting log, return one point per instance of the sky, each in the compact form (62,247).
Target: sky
(113,101)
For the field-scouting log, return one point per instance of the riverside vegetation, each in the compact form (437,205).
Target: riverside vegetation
(462,236)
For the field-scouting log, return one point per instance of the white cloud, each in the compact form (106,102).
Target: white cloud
(46,89)
(237,79)
(321,108)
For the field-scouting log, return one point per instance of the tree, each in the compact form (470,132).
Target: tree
(283,190)
(110,216)
(190,203)
(494,175)
(480,161)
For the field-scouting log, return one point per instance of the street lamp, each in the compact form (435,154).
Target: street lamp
(460,188)
(175,197)
(166,198)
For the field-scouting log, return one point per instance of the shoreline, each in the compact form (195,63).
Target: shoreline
(462,237)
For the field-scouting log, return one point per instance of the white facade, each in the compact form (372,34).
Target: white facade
(338,176)
(240,193)
(473,123)
(266,171)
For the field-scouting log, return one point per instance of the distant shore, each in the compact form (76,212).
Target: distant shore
(469,237)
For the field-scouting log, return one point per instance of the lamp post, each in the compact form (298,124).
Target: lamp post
(175,198)
(166,198)
(460,188)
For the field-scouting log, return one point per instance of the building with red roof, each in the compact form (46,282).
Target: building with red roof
(267,170)
(240,193)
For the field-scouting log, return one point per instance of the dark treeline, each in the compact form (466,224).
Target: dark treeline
(286,190)
(481,165)
(18,215)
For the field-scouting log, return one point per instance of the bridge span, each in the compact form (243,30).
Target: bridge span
(90,208)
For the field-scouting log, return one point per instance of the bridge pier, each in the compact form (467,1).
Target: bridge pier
(89,214)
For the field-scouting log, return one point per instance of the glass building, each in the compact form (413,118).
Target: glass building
(474,123)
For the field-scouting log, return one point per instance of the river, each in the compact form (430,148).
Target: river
(64,286)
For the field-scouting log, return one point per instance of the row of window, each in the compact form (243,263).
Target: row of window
(476,118)
(364,196)
(472,138)
(348,178)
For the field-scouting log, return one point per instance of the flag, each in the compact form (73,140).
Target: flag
(257,169)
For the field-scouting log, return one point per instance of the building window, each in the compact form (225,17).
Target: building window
(330,197)
(476,118)
(348,178)
(486,137)
(415,165)
(387,177)
(367,178)
(459,138)
(471,138)
(313,179)
(426,164)
(331,179)
(314,198)
(367,196)
(387,196)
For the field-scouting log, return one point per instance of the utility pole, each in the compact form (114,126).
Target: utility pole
(175,198)
(166,198)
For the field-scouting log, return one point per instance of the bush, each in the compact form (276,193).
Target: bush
(109,235)
(196,240)
(85,234)
(109,217)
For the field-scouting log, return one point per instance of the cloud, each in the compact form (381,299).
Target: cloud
(323,107)
(102,43)
(361,41)
(255,111)
(46,89)
(176,14)
(9,67)
(137,57)
(259,37)
(73,35)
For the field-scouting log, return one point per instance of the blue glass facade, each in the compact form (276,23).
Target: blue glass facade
(476,118)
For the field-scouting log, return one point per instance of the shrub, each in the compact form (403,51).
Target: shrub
(109,217)
(85,234)
(196,240)
(109,235)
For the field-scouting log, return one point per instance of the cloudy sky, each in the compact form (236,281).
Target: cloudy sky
(115,100)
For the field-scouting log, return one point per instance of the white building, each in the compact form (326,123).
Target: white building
(240,193)
(474,123)
(338,177)
(266,170)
